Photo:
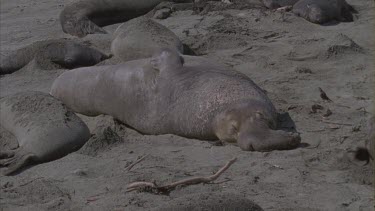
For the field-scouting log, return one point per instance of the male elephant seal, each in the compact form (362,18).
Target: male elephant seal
(45,129)
(195,100)
(323,11)
(51,53)
(84,17)
(140,37)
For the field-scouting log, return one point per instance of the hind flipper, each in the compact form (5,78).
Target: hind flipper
(80,27)
(17,162)
(7,154)
(17,59)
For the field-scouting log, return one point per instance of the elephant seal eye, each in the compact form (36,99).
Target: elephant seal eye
(259,115)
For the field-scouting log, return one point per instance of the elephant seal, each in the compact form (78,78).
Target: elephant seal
(45,129)
(323,11)
(164,95)
(211,201)
(51,53)
(140,37)
(83,17)
(274,4)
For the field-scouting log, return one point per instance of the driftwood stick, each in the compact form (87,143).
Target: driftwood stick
(337,123)
(152,187)
(136,162)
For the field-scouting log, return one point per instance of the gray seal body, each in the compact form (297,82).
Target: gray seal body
(51,54)
(83,17)
(164,95)
(140,37)
(323,11)
(45,129)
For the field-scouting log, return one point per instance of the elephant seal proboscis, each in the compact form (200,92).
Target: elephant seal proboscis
(323,11)
(164,95)
(48,54)
(140,37)
(83,17)
(45,129)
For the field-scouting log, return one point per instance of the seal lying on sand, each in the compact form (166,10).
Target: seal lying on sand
(140,37)
(163,96)
(45,129)
(323,11)
(84,17)
(48,54)
(274,4)
(316,11)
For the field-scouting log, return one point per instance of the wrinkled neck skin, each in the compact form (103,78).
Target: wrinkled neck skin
(229,123)
(173,68)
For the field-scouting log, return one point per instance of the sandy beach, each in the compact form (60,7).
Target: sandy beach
(287,56)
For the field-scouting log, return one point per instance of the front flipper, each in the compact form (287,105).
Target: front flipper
(6,154)
(13,161)
(259,138)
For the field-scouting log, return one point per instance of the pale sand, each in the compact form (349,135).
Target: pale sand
(257,42)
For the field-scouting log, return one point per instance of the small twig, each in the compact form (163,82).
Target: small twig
(284,9)
(343,106)
(152,187)
(315,131)
(302,58)
(220,182)
(139,185)
(26,183)
(338,123)
(316,146)
(91,200)
(136,162)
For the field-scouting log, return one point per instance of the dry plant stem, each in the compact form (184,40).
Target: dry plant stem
(191,181)
(136,162)
(337,123)
(139,184)
(284,9)
(316,146)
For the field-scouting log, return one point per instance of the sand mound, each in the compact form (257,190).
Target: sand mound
(210,202)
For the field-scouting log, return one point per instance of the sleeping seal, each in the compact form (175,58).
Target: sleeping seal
(140,37)
(274,4)
(323,11)
(83,17)
(163,95)
(316,11)
(51,54)
(45,129)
